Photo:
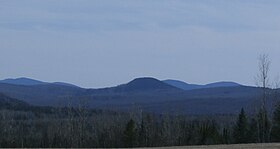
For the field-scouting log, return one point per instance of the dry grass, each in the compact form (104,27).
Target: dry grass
(235,146)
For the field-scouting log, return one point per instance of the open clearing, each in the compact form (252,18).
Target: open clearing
(235,146)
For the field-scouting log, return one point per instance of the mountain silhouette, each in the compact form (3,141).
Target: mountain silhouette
(22,81)
(30,82)
(146,84)
(186,86)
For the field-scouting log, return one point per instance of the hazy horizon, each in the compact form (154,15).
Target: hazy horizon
(95,43)
(58,81)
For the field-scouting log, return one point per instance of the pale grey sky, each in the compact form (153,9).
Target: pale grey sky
(98,43)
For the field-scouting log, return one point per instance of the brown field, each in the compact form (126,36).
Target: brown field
(235,146)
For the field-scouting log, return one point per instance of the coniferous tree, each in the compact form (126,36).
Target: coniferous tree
(208,133)
(276,125)
(240,133)
(253,131)
(130,134)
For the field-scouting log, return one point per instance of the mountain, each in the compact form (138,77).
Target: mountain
(48,94)
(65,84)
(22,81)
(57,94)
(139,86)
(145,84)
(182,85)
(221,84)
(29,82)
(145,94)
(186,86)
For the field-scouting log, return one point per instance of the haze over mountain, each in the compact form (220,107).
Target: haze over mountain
(142,84)
(22,81)
(148,94)
(28,81)
(186,86)
(145,84)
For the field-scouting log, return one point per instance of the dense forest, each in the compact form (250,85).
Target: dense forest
(82,127)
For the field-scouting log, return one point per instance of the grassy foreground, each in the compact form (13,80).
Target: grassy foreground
(234,146)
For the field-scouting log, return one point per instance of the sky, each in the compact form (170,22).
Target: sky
(101,43)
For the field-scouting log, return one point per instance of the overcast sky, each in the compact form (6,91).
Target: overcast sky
(99,43)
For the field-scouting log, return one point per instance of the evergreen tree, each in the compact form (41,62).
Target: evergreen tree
(276,125)
(208,133)
(240,133)
(253,131)
(130,134)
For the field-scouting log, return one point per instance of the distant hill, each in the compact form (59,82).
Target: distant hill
(145,84)
(140,86)
(42,95)
(56,94)
(64,84)
(22,81)
(182,85)
(186,86)
(29,82)
(147,94)
(222,84)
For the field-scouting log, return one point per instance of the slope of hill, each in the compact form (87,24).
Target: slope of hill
(209,101)
(30,82)
(186,86)
(22,81)
(65,84)
(221,84)
(7,102)
(42,95)
(228,100)
(182,85)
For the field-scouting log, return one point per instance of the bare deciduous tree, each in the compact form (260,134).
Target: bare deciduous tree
(262,81)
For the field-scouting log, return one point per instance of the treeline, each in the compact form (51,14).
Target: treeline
(80,127)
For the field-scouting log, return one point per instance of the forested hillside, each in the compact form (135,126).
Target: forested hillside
(147,94)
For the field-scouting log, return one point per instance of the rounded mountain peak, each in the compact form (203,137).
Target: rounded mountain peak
(147,83)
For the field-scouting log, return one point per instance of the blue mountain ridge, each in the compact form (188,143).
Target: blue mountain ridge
(147,94)
(30,82)
(186,86)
